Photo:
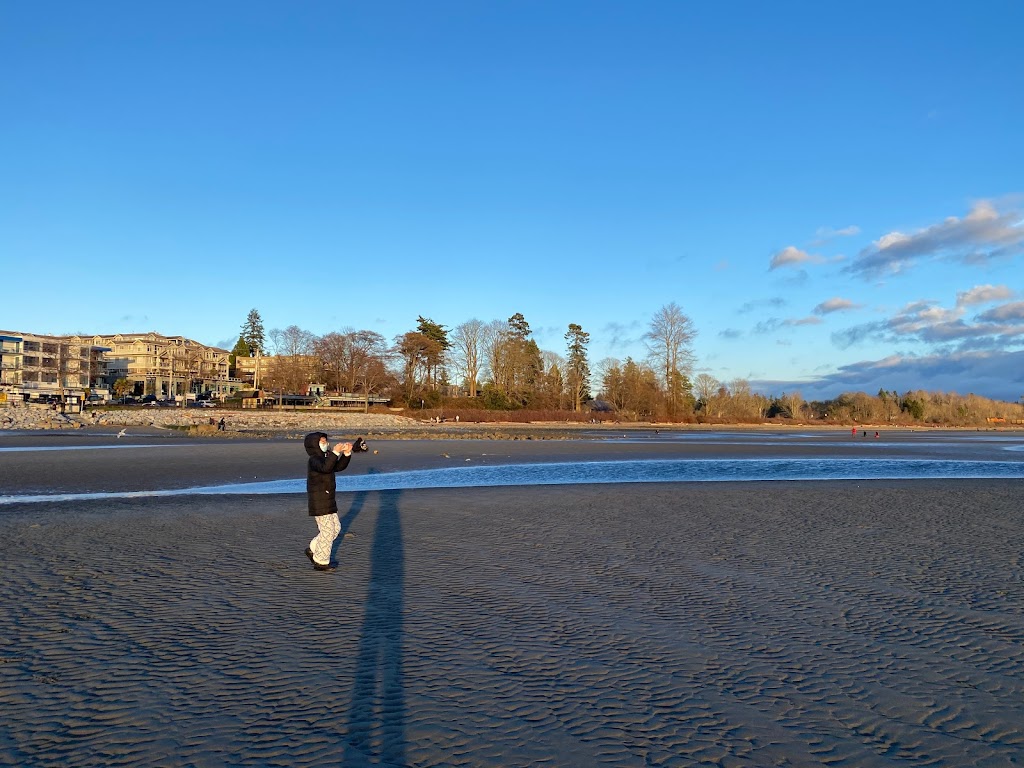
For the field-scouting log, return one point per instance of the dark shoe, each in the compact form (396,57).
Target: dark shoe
(309,554)
(328,567)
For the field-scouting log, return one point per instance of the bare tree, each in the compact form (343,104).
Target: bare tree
(492,339)
(373,377)
(551,387)
(332,351)
(367,358)
(295,364)
(669,344)
(745,405)
(705,386)
(468,346)
(794,402)
(705,389)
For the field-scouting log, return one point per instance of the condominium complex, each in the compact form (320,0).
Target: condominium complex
(35,366)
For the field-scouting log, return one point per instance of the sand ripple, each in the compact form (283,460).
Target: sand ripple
(819,625)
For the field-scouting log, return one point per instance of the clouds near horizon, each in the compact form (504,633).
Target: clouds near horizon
(981,236)
(926,321)
(996,375)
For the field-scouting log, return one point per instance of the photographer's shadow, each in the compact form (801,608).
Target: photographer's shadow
(376,721)
(358,502)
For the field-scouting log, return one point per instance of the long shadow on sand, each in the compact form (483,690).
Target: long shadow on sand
(376,721)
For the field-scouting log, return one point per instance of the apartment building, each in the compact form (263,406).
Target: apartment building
(10,360)
(34,365)
(252,369)
(166,366)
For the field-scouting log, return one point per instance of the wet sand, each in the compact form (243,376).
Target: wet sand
(753,624)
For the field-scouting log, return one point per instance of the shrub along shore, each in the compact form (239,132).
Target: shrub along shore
(428,423)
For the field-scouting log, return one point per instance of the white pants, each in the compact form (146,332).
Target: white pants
(330,527)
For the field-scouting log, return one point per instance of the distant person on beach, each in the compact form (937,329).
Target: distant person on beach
(324,461)
(221,424)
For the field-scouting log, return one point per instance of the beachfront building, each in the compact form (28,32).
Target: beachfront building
(288,373)
(38,367)
(248,369)
(10,360)
(167,366)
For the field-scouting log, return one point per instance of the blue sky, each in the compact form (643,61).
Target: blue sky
(834,193)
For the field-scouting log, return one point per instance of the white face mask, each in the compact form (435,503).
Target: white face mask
(323,446)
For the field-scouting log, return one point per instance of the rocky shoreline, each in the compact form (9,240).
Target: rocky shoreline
(274,423)
(30,417)
(288,423)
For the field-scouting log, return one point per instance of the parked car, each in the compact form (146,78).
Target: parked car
(148,399)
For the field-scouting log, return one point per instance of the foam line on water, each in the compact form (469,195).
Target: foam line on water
(596,472)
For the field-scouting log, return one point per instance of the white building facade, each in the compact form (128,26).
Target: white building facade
(37,366)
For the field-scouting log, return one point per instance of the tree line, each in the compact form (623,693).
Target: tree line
(498,365)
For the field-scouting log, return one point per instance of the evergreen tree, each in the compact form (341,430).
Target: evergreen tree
(252,332)
(579,366)
(522,361)
(241,350)
(433,353)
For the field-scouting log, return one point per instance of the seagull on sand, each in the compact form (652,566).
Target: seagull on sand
(122,433)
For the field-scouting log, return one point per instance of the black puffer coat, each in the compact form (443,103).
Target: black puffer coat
(320,485)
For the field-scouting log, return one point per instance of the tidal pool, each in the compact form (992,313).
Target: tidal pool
(593,472)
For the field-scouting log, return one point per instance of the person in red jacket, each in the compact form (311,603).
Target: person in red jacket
(324,462)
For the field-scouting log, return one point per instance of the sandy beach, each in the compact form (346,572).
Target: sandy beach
(675,624)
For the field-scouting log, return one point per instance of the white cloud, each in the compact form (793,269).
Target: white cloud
(835,304)
(980,236)
(773,324)
(919,315)
(826,234)
(1012,312)
(928,322)
(791,255)
(983,294)
(750,306)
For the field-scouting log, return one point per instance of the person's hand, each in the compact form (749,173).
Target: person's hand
(343,448)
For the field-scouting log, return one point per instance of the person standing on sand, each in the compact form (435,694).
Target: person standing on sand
(324,461)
